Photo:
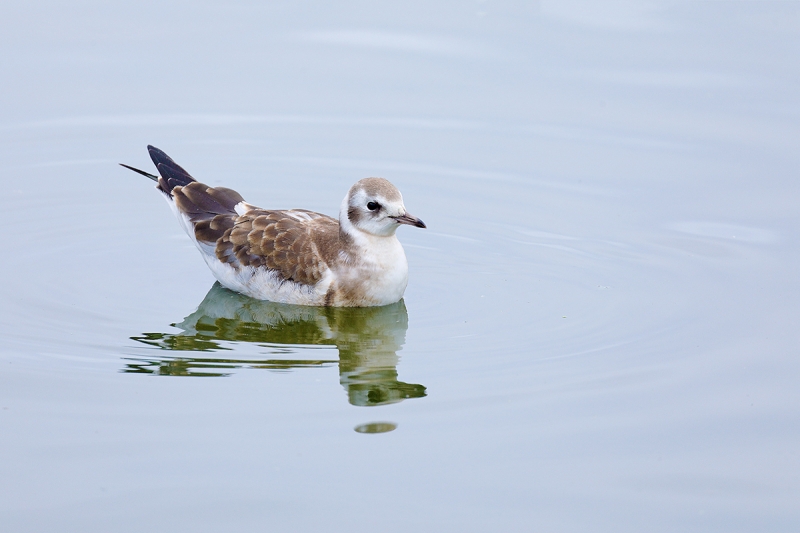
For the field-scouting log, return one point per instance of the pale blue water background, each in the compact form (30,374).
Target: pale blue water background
(600,330)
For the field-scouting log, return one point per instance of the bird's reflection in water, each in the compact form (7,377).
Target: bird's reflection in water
(367,339)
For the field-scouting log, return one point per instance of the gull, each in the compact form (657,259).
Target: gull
(294,256)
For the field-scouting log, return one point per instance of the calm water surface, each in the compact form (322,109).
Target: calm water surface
(600,330)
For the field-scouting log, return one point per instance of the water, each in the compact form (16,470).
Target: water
(599,332)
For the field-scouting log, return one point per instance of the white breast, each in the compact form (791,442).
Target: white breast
(377,274)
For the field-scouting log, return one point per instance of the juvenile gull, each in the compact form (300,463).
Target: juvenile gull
(294,256)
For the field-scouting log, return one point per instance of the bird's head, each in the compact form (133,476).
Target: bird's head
(375,206)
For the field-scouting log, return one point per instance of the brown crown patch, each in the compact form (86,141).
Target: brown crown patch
(377,187)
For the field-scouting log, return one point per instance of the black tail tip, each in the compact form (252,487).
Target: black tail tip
(142,172)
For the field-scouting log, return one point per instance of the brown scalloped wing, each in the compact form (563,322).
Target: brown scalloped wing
(284,241)
(291,242)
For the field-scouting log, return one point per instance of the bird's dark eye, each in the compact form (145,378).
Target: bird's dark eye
(372,206)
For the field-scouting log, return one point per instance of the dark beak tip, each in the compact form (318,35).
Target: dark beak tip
(411,220)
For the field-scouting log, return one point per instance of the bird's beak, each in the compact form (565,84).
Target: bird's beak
(410,220)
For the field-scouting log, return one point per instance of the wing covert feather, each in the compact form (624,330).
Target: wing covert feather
(284,241)
(288,242)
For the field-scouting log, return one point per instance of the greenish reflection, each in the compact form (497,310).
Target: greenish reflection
(367,339)
(376,427)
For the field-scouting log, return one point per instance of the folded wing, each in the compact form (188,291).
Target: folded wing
(291,243)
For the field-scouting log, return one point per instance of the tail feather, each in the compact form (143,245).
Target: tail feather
(142,172)
(172,174)
(194,200)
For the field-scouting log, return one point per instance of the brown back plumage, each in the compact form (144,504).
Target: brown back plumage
(294,243)
(296,249)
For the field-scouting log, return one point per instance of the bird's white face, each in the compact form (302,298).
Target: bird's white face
(375,206)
